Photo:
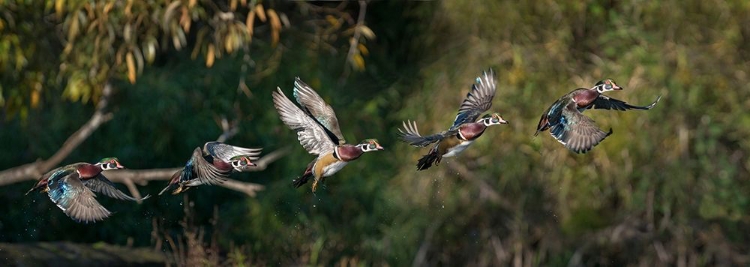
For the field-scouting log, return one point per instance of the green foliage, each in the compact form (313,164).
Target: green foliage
(669,181)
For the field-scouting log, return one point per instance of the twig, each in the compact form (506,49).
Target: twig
(354,41)
(32,171)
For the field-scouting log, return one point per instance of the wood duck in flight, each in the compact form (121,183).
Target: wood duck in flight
(466,128)
(212,165)
(72,189)
(318,132)
(574,130)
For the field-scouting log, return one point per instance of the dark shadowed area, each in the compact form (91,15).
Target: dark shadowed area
(149,81)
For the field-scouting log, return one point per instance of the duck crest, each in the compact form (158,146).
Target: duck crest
(471,131)
(348,152)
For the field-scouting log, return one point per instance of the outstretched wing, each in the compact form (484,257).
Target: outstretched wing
(310,133)
(410,134)
(102,185)
(77,201)
(605,102)
(478,100)
(205,171)
(576,131)
(315,106)
(227,152)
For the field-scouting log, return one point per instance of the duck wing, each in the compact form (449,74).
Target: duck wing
(78,202)
(198,171)
(478,100)
(316,107)
(606,102)
(100,184)
(574,130)
(228,153)
(310,133)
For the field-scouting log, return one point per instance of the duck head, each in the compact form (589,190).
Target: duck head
(242,162)
(492,119)
(606,85)
(109,164)
(369,145)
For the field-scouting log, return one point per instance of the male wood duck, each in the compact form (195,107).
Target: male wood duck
(570,127)
(212,165)
(72,189)
(318,131)
(466,128)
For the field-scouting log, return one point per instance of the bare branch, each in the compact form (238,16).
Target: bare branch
(33,171)
(130,178)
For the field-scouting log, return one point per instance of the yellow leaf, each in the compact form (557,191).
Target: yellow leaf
(243,2)
(261,12)
(192,3)
(128,8)
(358,62)
(275,26)
(228,42)
(149,49)
(210,56)
(185,19)
(126,32)
(332,20)
(34,98)
(366,31)
(59,7)
(108,7)
(250,21)
(130,61)
(73,30)
(363,49)
(233,5)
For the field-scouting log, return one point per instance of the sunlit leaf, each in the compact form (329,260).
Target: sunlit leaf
(275,26)
(249,22)
(366,32)
(210,56)
(363,49)
(59,4)
(358,62)
(261,12)
(130,62)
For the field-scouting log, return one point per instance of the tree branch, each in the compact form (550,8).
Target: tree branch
(32,171)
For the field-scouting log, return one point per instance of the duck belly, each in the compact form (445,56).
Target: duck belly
(457,149)
(333,168)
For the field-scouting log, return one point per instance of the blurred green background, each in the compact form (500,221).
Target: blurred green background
(669,187)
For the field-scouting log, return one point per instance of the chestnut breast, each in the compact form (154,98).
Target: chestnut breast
(349,152)
(584,97)
(88,171)
(471,131)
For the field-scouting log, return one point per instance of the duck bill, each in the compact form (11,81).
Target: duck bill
(379,147)
(615,87)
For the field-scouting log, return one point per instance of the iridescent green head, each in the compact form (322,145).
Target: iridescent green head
(110,164)
(370,145)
